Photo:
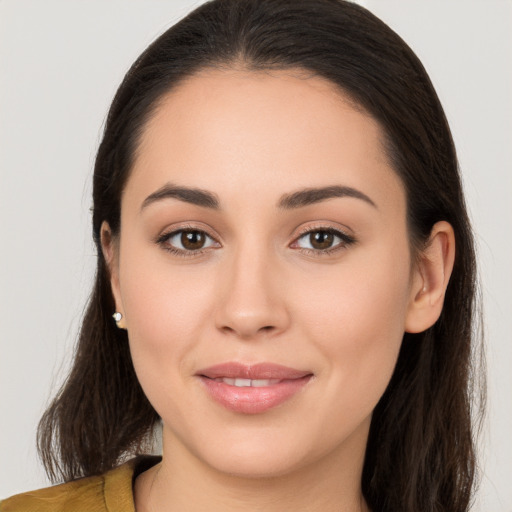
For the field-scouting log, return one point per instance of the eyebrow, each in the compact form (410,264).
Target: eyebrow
(190,195)
(294,200)
(309,196)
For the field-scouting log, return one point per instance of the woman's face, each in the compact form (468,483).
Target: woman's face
(290,251)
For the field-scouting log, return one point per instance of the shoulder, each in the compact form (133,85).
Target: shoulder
(112,492)
(83,494)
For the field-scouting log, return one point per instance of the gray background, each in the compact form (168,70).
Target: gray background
(60,63)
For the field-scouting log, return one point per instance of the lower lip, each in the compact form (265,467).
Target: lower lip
(253,400)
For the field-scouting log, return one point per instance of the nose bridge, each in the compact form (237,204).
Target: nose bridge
(251,298)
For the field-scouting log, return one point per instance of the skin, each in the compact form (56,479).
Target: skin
(256,295)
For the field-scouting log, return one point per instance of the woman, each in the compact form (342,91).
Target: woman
(283,242)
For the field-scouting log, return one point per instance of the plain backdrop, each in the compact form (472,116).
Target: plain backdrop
(60,64)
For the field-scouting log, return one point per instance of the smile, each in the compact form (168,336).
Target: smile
(243,383)
(252,389)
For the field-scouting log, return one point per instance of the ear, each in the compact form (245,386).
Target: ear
(430,279)
(110,249)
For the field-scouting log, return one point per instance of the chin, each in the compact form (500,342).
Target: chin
(264,451)
(253,461)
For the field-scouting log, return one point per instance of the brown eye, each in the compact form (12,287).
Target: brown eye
(192,240)
(186,242)
(321,240)
(325,241)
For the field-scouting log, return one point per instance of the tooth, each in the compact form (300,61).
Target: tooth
(258,383)
(242,382)
(255,383)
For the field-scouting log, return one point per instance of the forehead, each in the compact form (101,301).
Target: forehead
(246,131)
(222,101)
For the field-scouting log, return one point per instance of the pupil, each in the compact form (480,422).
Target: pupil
(192,239)
(321,239)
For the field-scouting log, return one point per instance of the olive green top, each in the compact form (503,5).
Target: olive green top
(110,492)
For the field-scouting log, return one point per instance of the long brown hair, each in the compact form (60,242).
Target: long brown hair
(420,453)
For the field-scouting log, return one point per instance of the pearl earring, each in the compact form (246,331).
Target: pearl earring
(118,317)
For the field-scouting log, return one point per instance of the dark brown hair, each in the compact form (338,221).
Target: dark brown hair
(420,452)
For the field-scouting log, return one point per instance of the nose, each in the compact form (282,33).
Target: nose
(252,297)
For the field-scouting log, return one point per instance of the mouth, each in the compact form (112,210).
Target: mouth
(245,383)
(252,389)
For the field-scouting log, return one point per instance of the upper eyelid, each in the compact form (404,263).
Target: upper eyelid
(344,231)
(172,231)
(302,231)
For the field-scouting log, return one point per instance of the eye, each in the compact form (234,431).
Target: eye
(322,241)
(189,242)
(183,241)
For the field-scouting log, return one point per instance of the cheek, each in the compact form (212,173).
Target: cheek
(356,320)
(164,306)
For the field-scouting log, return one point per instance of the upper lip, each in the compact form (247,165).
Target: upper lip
(235,370)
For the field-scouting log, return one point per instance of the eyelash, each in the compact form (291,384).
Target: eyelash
(346,240)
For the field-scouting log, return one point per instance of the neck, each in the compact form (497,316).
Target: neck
(182,482)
